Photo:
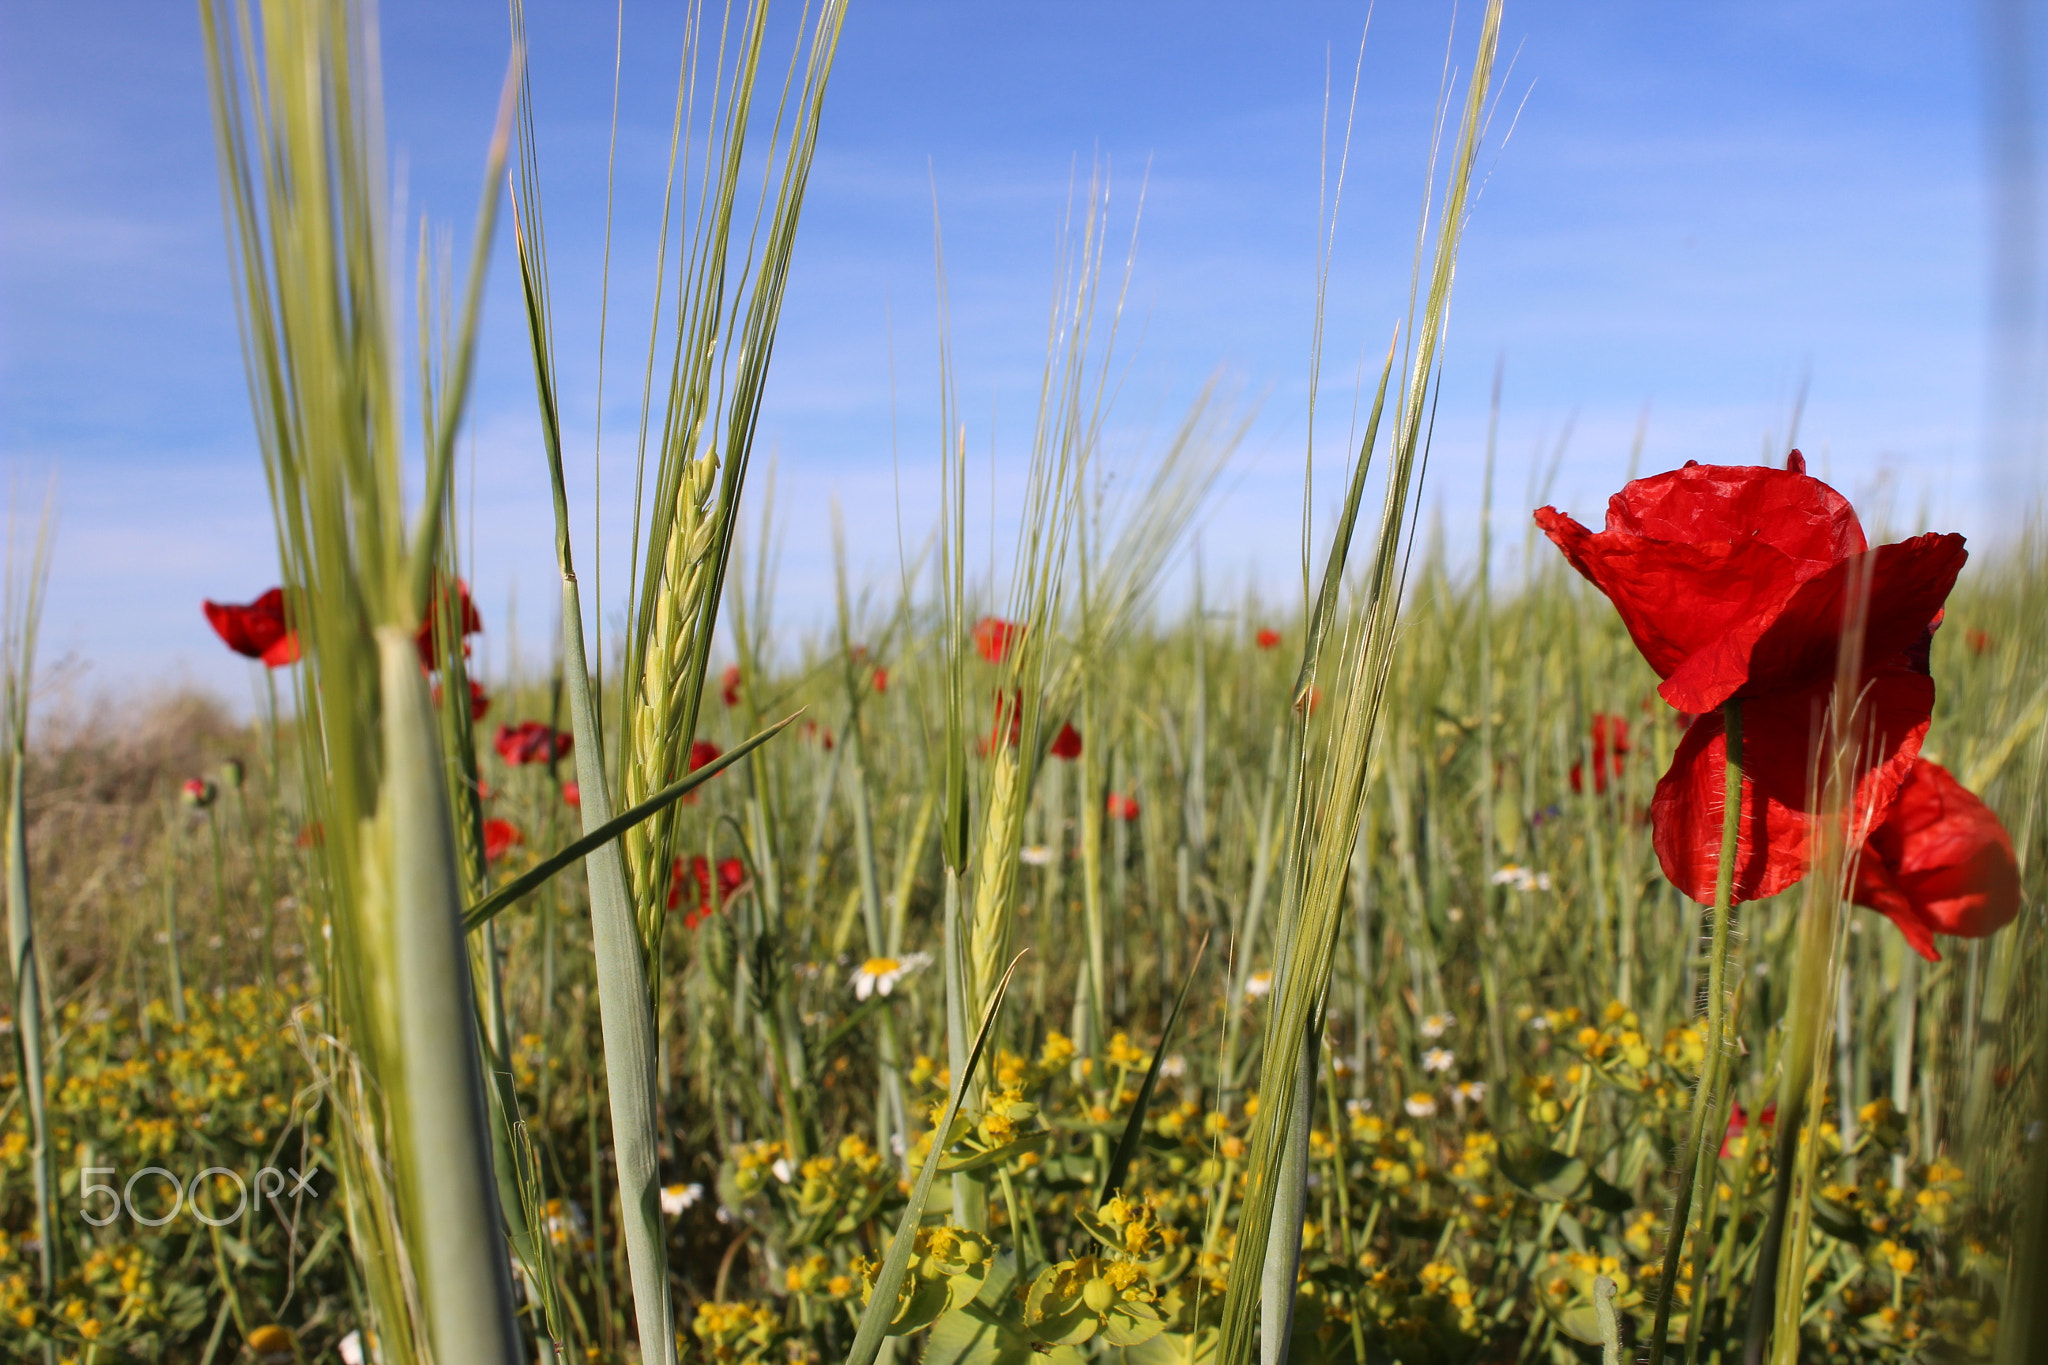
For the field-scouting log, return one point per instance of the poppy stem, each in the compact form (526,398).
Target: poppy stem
(1693,1172)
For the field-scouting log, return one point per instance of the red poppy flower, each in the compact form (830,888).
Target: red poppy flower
(732,876)
(1738,1123)
(881,680)
(994,638)
(572,795)
(428,636)
(702,752)
(197,793)
(1737,582)
(479,700)
(729,684)
(257,630)
(1979,641)
(1267,637)
(1067,743)
(1610,743)
(1941,863)
(500,838)
(1122,807)
(527,742)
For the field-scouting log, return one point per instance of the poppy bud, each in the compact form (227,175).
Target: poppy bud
(231,774)
(198,793)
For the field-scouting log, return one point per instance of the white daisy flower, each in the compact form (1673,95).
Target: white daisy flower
(1358,1106)
(1174,1067)
(1434,1026)
(782,1170)
(1258,984)
(676,1198)
(1036,855)
(566,1225)
(351,1348)
(879,975)
(1521,878)
(1469,1090)
(1419,1105)
(1541,1023)
(1439,1059)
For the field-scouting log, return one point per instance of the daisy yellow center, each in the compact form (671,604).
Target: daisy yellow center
(880,966)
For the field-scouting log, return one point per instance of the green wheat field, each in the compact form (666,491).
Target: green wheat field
(1069,965)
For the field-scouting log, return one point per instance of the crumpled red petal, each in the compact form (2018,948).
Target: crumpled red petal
(1780,742)
(1706,553)
(1676,599)
(1794,643)
(1941,862)
(1797,515)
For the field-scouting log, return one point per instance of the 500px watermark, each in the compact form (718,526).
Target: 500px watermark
(268,1182)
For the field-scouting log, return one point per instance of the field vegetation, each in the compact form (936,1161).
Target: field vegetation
(1048,966)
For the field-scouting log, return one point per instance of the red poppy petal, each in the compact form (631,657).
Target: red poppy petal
(1877,889)
(255,629)
(1943,852)
(1780,742)
(1699,504)
(1685,819)
(1796,642)
(284,651)
(1676,598)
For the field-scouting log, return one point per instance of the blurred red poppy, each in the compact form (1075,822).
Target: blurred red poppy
(1737,583)
(500,838)
(1738,1123)
(994,638)
(1067,743)
(881,680)
(428,637)
(1610,743)
(1979,641)
(732,876)
(1267,637)
(527,742)
(479,700)
(703,751)
(572,795)
(197,793)
(1941,863)
(729,684)
(1122,807)
(256,630)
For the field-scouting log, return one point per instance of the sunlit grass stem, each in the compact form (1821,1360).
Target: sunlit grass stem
(1694,1175)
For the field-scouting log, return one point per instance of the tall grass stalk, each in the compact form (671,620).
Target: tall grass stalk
(27,578)
(1696,1180)
(297,113)
(724,328)
(1331,802)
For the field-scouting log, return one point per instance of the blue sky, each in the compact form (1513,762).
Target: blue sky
(1701,208)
